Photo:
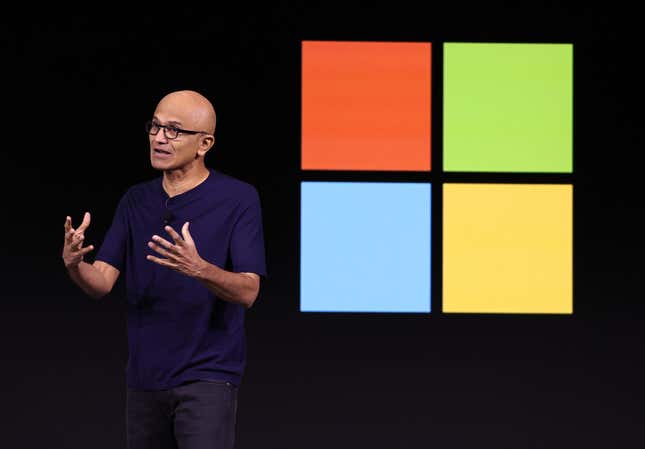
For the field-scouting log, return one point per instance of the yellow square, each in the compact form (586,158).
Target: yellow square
(507,248)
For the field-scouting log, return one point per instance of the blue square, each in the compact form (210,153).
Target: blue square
(365,247)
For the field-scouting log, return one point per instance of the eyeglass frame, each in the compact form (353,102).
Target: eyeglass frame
(151,123)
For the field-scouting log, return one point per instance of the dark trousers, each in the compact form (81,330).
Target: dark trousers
(196,415)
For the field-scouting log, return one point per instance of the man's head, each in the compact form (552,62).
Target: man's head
(181,130)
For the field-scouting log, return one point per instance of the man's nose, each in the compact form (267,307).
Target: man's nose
(160,137)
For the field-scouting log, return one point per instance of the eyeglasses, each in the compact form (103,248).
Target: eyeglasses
(171,132)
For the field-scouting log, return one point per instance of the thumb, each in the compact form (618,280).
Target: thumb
(186,233)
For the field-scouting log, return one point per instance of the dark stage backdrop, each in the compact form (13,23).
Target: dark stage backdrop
(76,92)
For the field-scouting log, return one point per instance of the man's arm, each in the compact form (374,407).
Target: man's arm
(95,279)
(240,288)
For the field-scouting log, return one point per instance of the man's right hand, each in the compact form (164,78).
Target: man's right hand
(73,250)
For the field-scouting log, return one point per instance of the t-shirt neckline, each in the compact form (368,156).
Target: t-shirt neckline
(188,193)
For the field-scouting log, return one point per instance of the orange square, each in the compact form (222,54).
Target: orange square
(366,106)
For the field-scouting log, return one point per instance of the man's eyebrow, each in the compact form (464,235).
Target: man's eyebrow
(170,122)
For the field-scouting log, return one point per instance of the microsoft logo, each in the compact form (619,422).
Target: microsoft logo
(477,187)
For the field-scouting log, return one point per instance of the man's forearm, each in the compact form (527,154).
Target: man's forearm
(233,287)
(89,279)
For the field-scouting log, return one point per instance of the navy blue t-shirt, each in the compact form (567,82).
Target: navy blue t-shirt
(178,331)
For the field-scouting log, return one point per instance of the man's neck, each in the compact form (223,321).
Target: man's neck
(178,181)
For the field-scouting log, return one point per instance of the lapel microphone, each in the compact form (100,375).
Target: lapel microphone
(168,215)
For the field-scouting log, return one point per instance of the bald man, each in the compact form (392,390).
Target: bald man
(192,247)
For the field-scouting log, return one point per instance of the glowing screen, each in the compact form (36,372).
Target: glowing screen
(508,107)
(506,246)
(365,247)
(365,106)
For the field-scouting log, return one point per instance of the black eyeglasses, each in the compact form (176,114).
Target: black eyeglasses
(171,132)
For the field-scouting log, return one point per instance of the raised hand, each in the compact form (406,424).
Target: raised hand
(182,256)
(73,250)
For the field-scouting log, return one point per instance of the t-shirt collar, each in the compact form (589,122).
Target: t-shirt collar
(190,194)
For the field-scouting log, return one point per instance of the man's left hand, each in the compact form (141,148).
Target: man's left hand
(182,256)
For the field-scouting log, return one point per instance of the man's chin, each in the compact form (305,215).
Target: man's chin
(159,165)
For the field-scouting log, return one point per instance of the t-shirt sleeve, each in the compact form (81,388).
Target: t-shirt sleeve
(247,240)
(113,248)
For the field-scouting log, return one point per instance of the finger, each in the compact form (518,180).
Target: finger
(85,223)
(161,250)
(69,236)
(69,231)
(176,237)
(163,242)
(86,250)
(157,260)
(186,233)
(77,241)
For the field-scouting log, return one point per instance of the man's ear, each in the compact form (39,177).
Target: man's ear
(205,144)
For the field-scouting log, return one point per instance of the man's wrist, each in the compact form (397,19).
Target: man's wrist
(202,269)
(74,268)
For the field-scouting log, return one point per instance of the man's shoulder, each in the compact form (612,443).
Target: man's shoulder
(143,187)
(235,187)
(136,194)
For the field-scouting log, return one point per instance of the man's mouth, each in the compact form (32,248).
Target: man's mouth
(160,152)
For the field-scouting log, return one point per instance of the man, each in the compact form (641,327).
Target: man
(191,246)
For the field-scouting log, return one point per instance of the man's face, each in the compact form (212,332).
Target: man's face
(167,153)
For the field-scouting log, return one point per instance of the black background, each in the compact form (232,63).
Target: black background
(77,90)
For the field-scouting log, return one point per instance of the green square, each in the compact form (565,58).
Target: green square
(508,107)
